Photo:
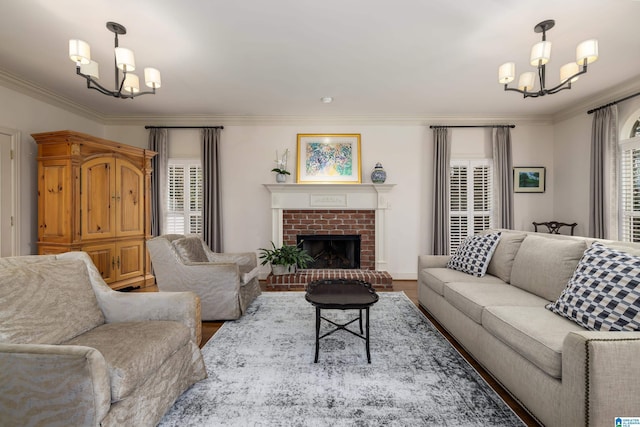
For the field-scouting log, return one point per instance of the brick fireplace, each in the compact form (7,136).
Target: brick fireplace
(338,222)
(334,208)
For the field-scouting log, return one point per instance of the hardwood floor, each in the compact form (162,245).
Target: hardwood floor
(410,288)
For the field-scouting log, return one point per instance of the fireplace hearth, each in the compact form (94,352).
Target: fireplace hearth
(331,251)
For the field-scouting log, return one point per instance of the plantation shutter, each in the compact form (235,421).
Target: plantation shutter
(471,199)
(175,199)
(184,200)
(630,186)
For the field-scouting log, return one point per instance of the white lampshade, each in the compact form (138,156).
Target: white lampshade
(507,73)
(79,51)
(91,69)
(125,60)
(152,78)
(568,70)
(588,50)
(540,53)
(131,84)
(527,80)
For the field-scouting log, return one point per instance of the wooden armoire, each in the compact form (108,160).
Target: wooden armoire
(94,196)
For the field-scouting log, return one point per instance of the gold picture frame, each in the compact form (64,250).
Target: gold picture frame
(329,159)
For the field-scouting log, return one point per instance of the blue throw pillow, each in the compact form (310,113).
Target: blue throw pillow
(474,254)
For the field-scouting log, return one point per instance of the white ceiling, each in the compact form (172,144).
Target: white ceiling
(386,58)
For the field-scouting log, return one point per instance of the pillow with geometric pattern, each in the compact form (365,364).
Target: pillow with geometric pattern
(604,292)
(474,254)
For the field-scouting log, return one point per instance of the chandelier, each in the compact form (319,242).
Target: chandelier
(127,85)
(586,53)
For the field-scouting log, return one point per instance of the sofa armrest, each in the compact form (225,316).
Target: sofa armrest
(432,261)
(53,382)
(247,261)
(183,307)
(600,372)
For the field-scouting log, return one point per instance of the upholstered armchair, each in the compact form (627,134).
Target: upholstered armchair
(225,282)
(74,352)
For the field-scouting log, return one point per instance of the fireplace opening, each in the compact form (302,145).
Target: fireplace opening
(331,250)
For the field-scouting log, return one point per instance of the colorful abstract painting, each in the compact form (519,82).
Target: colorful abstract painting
(329,158)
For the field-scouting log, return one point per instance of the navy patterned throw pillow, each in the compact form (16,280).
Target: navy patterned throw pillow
(474,254)
(604,292)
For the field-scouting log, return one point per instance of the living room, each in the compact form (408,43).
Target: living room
(392,115)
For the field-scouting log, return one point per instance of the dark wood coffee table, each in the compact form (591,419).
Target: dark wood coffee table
(341,294)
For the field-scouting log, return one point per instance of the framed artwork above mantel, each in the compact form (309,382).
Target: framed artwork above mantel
(529,179)
(329,159)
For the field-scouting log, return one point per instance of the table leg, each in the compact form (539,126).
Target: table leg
(317,334)
(367,337)
(360,321)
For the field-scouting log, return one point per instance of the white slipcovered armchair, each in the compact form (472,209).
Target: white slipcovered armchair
(225,282)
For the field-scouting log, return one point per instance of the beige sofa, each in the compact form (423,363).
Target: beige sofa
(225,282)
(561,373)
(73,352)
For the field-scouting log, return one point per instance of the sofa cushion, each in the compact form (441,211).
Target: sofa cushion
(471,297)
(543,266)
(604,291)
(474,254)
(190,249)
(46,302)
(437,277)
(504,255)
(134,350)
(533,332)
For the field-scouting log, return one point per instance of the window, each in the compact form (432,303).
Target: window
(471,204)
(630,190)
(184,197)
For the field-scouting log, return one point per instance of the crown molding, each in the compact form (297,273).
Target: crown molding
(222,120)
(33,90)
(606,96)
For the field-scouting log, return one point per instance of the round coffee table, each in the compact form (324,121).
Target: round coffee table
(341,294)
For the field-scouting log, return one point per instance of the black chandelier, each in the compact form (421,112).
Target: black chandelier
(586,53)
(127,86)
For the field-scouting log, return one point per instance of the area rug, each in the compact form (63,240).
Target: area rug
(261,372)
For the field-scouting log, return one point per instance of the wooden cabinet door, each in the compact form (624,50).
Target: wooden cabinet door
(97,198)
(130,259)
(54,201)
(104,258)
(129,182)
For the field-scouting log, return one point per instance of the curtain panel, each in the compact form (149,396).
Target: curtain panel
(158,142)
(503,178)
(441,160)
(211,200)
(603,199)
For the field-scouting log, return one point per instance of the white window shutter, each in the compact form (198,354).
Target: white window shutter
(630,188)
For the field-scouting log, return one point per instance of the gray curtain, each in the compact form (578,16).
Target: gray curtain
(603,200)
(441,159)
(211,206)
(503,178)
(158,142)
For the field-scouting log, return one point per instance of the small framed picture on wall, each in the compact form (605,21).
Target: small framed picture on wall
(529,179)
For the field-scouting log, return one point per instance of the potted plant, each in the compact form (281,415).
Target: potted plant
(281,167)
(285,259)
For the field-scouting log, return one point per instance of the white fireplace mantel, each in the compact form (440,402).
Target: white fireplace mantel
(334,196)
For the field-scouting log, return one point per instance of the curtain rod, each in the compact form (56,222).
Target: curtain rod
(184,127)
(471,126)
(613,103)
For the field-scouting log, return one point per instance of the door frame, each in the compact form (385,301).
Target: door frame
(14,135)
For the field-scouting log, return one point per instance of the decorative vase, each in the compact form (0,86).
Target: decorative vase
(279,269)
(281,178)
(378,175)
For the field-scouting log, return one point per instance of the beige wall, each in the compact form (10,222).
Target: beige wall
(405,151)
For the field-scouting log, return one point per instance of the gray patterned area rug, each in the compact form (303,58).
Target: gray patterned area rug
(261,372)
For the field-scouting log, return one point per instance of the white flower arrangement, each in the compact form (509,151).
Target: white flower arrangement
(281,163)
